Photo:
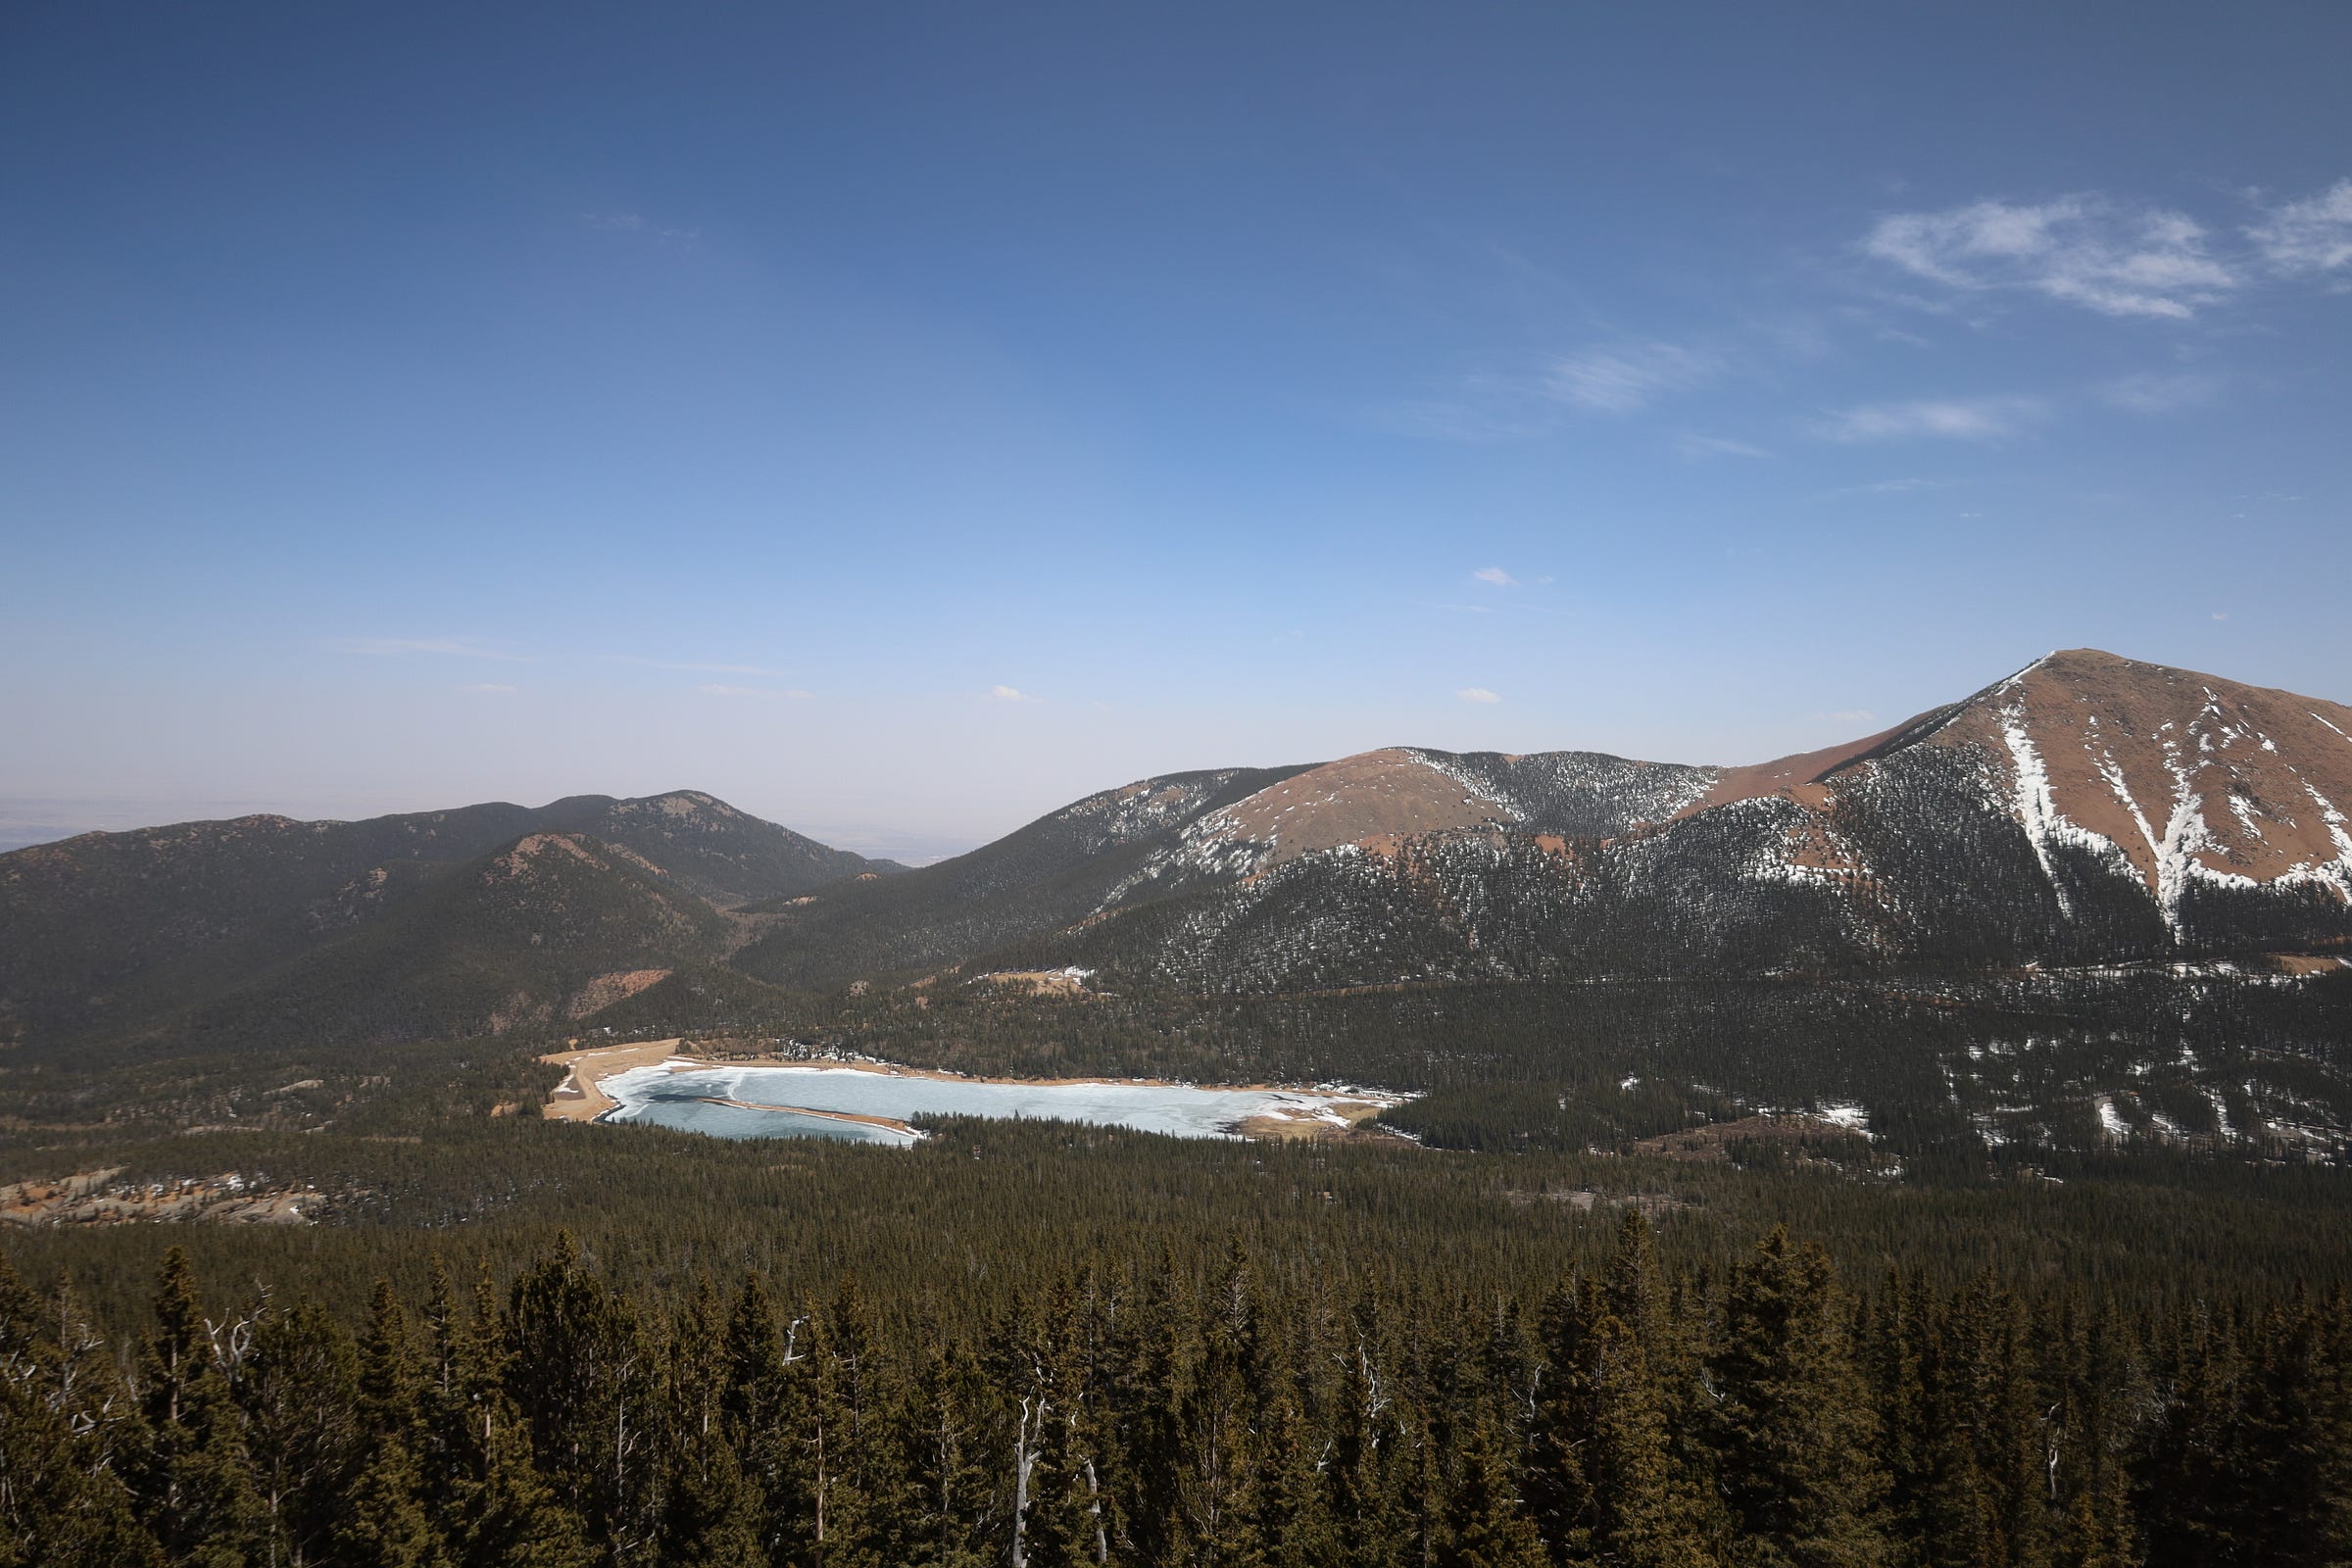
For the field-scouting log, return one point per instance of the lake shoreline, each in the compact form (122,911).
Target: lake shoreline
(890,1122)
(1317,1112)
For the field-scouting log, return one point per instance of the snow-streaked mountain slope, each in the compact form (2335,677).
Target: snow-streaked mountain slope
(2087,809)
(1380,798)
(2193,780)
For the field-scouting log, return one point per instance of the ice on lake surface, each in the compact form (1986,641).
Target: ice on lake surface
(682,1099)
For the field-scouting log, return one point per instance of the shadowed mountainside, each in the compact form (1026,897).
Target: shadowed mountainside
(116,933)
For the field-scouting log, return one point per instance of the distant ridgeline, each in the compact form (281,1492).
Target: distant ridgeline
(2096,902)
(1136,1409)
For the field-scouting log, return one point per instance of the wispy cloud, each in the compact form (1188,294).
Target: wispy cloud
(402,647)
(2313,235)
(1010,694)
(1495,575)
(1944,418)
(1612,378)
(2090,250)
(2160,394)
(1619,379)
(1701,448)
(2115,256)
(1477,694)
(768,693)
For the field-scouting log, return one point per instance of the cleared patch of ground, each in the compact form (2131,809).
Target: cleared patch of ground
(1329,1123)
(1039,982)
(98,1198)
(607,989)
(578,1098)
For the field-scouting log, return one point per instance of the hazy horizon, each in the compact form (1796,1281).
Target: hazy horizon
(902,424)
(27,822)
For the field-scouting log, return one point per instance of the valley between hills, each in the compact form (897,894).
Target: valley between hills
(2098,905)
(1419,1158)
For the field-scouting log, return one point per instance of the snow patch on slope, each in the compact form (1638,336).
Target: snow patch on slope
(2037,807)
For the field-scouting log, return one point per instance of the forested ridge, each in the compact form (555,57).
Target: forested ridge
(1145,1409)
(2047,1167)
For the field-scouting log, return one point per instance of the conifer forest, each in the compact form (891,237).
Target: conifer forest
(1140,1411)
(1043,785)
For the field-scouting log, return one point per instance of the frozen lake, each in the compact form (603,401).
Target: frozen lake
(683,1100)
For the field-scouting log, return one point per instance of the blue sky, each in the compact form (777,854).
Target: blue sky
(901,420)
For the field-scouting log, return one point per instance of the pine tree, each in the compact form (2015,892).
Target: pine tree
(1487,1523)
(1301,1531)
(1794,1425)
(511,1518)
(838,1413)
(60,1503)
(1027,1366)
(580,1369)
(1146,1350)
(1560,1490)
(1984,1502)
(1647,1514)
(300,1395)
(500,1512)
(757,1403)
(2296,1446)
(1896,1360)
(2098,1531)
(385,1524)
(1219,1418)
(1093,1456)
(2190,1504)
(2101,1382)
(196,1488)
(713,1512)
(949,1509)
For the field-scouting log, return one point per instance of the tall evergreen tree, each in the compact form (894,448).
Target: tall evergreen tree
(387,1525)
(1986,1501)
(951,1511)
(2190,1501)
(196,1487)
(1646,1513)
(712,1511)
(1220,1420)
(760,1405)
(2296,1446)
(300,1395)
(1300,1529)
(500,1512)
(1794,1426)
(61,1502)
(1487,1524)
(581,1371)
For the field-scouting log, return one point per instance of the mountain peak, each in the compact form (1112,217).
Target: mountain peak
(1393,790)
(2188,778)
